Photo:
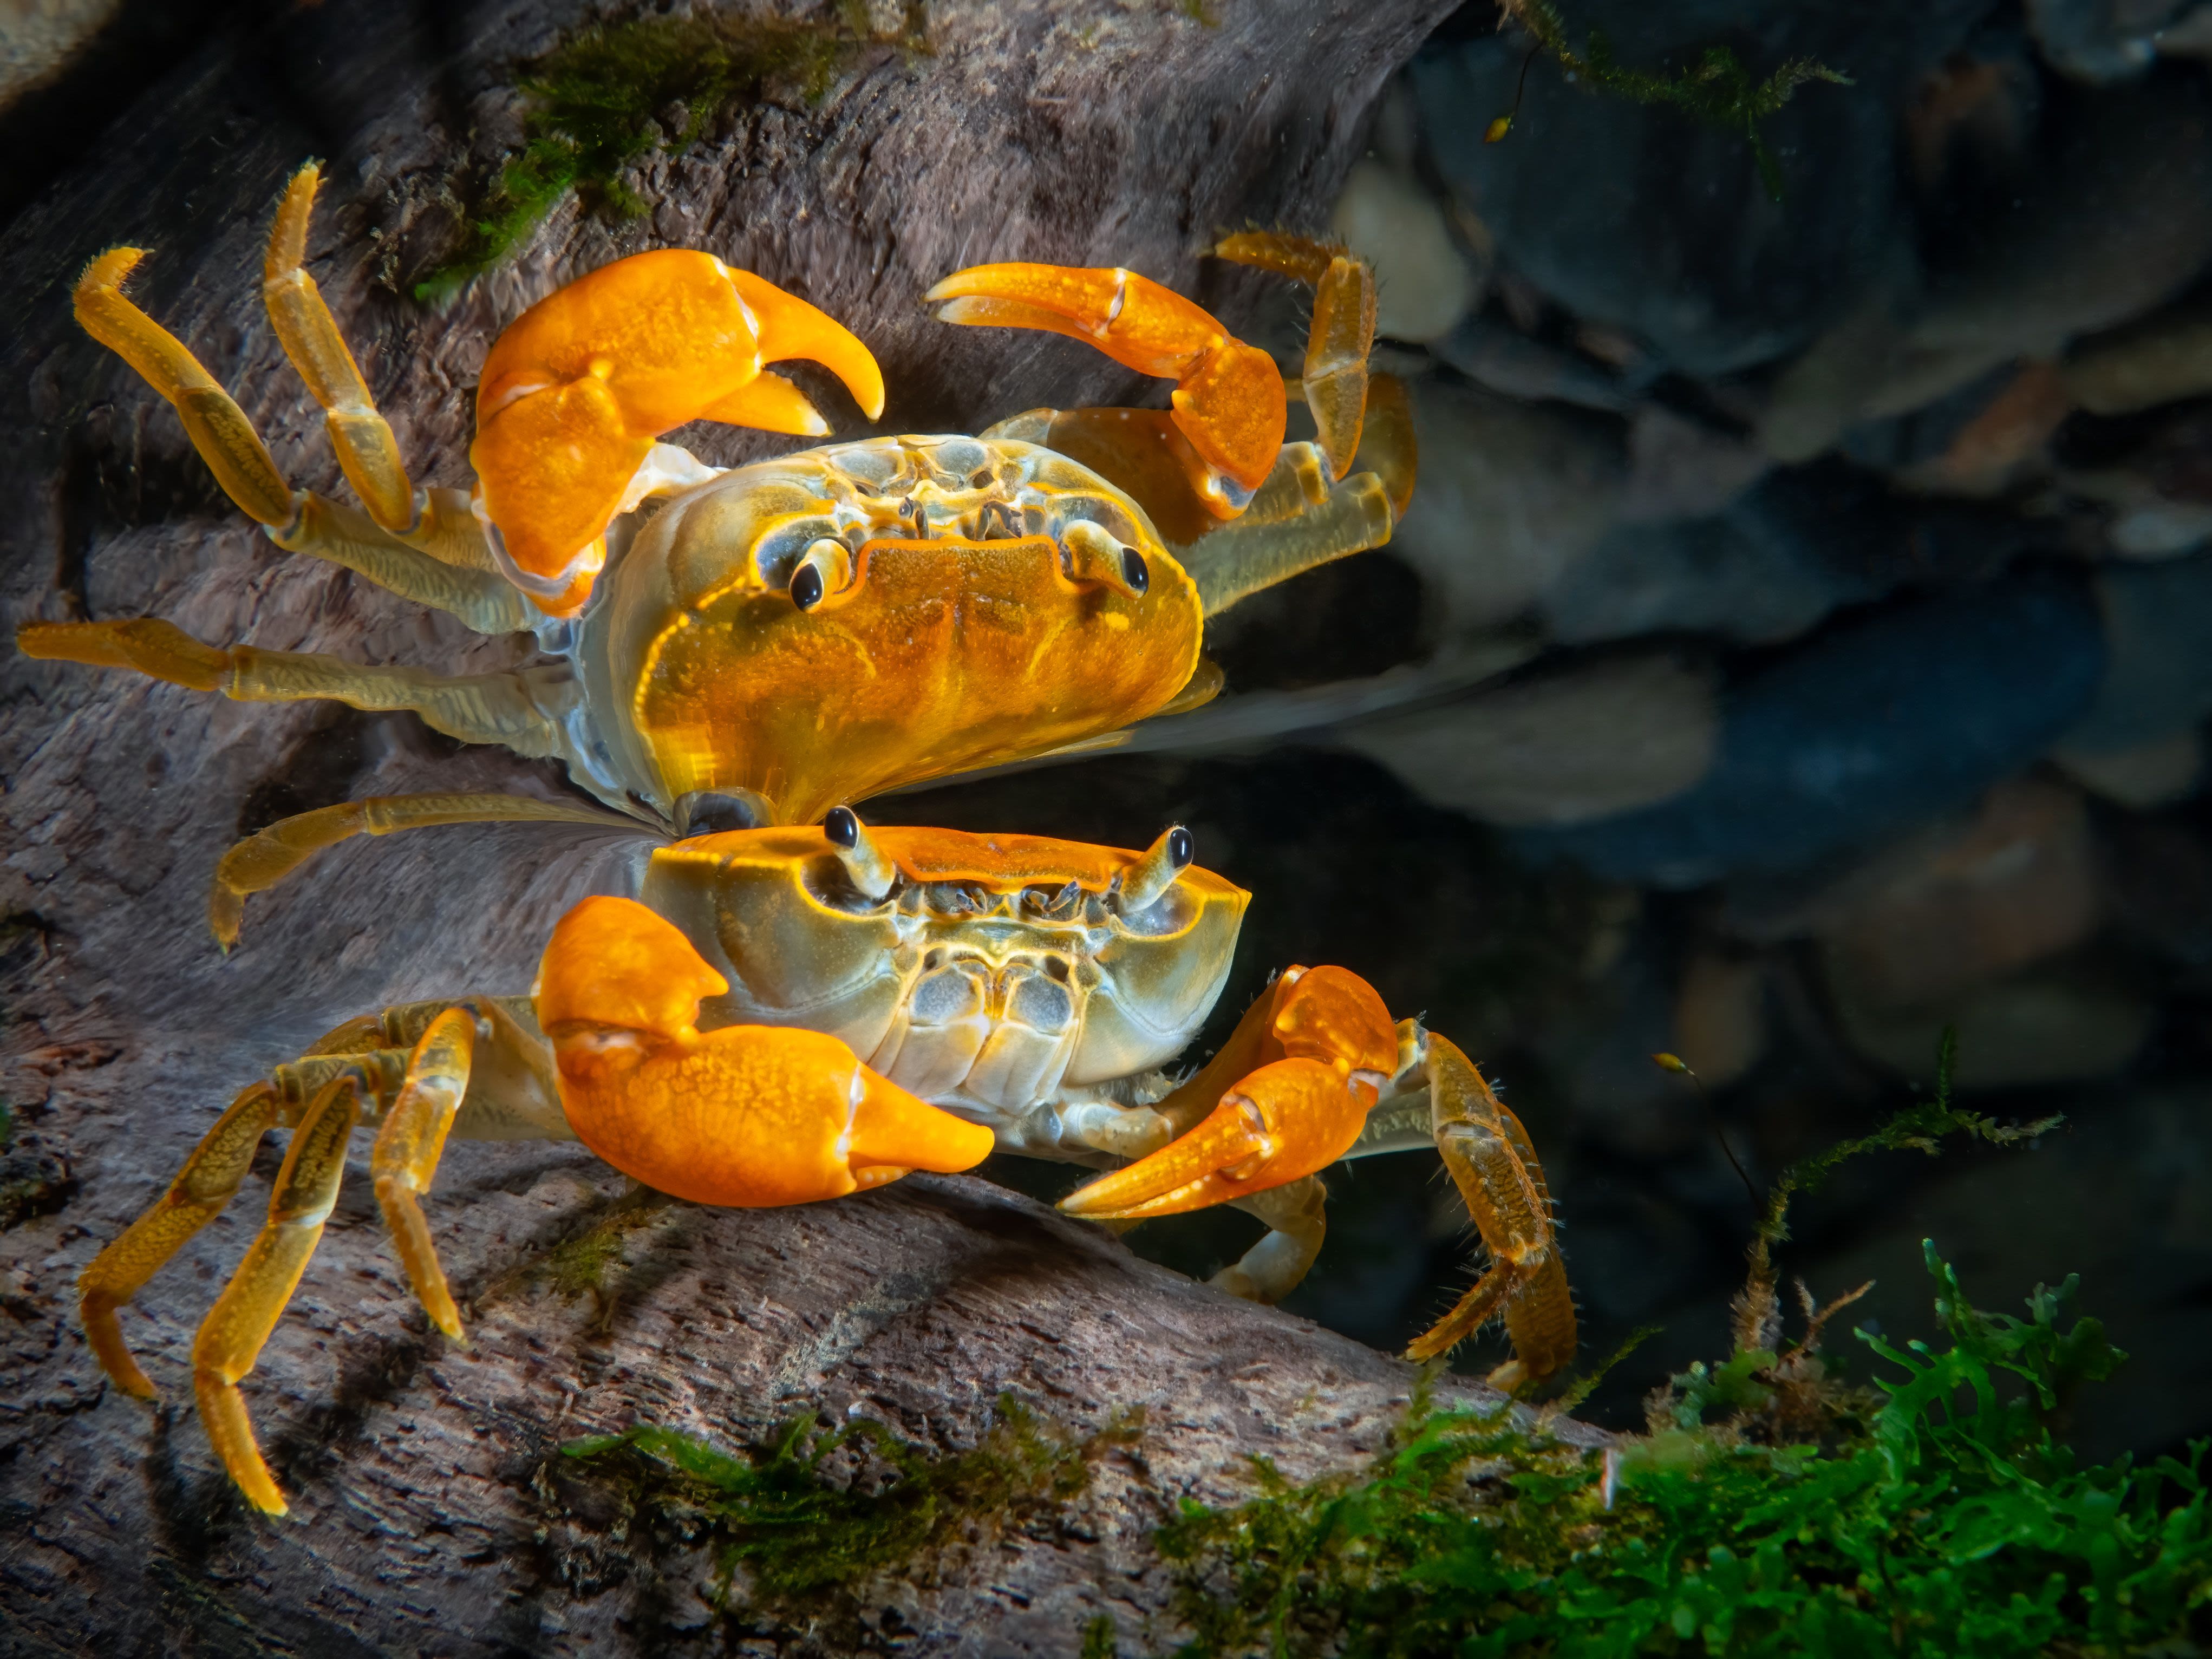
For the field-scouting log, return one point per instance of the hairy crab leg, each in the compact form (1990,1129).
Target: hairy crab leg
(1335,383)
(1228,403)
(1491,1162)
(263,860)
(231,1336)
(577,389)
(744,1115)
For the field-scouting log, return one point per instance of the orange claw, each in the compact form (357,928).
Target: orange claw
(577,390)
(744,1115)
(1295,1083)
(1229,398)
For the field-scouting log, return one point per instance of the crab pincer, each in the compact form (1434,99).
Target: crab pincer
(745,1115)
(578,388)
(1229,398)
(1293,1085)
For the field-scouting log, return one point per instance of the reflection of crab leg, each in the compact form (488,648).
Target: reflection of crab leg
(419,1091)
(1293,1085)
(263,860)
(746,1116)
(231,1336)
(577,390)
(1229,400)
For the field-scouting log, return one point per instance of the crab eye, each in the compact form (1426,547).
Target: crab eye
(1094,555)
(823,568)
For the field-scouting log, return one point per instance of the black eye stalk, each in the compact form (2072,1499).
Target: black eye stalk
(867,865)
(1138,578)
(1166,858)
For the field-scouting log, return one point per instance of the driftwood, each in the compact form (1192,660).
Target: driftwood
(429,1512)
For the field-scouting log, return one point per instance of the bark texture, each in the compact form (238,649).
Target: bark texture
(427,1515)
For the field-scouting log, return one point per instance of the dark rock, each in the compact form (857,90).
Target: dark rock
(1510,496)
(2158,620)
(1800,545)
(1641,217)
(1880,722)
(1498,356)
(2101,40)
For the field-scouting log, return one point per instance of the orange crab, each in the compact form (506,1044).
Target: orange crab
(805,630)
(793,1014)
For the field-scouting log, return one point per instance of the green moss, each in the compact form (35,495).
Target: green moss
(797,1532)
(1716,89)
(616,93)
(1954,1525)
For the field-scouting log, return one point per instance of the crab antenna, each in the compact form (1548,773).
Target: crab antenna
(871,869)
(1152,875)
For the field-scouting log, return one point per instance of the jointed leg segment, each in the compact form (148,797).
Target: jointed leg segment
(419,1093)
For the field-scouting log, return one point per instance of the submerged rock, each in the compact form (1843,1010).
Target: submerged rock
(1782,557)
(1423,285)
(2158,623)
(1564,747)
(1876,724)
(1509,497)
(1958,905)
(1641,217)
(2101,40)
(2048,1026)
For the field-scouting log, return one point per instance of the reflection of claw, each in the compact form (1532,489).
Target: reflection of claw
(577,390)
(750,1116)
(1294,1084)
(1229,398)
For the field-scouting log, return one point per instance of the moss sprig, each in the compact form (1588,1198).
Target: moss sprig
(797,1531)
(616,93)
(1716,89)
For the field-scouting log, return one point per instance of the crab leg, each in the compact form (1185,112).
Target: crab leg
(520,709)
(1335,383)
(1494,1166)
(231,1336)
(577,390)
(744,1115)
(1293,1085)
(1228,403)
(367,454)
(408,1147)
(209,1180)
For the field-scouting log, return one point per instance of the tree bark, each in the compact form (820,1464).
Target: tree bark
(429,1512)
